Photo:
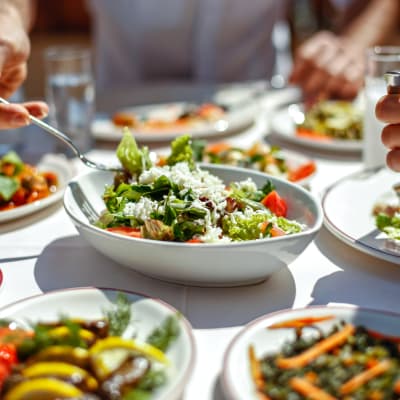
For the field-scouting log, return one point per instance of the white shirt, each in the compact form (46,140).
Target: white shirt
(200,40)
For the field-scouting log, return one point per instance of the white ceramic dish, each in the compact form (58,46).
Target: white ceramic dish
(236,379)
(89,303)
(348,206)
(293,159)
(53,163)
(235,120)
(229,264)
(283,125)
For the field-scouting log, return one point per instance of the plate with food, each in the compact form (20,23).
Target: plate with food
(26,188)
(259,156)
(362,210)
(192,223)
(321,353)
(93,343)
(327,125)
(164,122)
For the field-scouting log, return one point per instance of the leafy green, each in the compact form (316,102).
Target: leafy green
(389,225)
(8,186)
(150,381)
(133,159)
(181,150)
(241,227)
(12,158)
(288,226)
(119,315)
(165,334)
(137,394)
(198,148)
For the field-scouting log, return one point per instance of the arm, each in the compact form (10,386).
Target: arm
(329,65)
(16,17)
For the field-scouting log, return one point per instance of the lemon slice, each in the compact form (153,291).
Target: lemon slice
(72,355)
(43,389)
(63,371)
(108,354)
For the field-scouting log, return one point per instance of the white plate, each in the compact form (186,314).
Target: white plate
(89,303)
(203,264)
(283,125)
(235,120)
(52,163)
(236,379)
(348,205)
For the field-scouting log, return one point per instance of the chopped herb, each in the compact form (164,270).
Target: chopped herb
(165,334)
(119,315)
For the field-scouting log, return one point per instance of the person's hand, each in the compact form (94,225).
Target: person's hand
(14,53)
(326,66)
(388,110)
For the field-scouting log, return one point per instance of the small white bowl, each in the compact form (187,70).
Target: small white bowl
(230,264)
(89,303)
(236,379)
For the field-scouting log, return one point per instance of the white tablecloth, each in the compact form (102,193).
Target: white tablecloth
(43,252)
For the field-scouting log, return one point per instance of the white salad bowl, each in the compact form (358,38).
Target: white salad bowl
(204,264)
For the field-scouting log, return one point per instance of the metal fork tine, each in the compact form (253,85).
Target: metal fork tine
(83,203)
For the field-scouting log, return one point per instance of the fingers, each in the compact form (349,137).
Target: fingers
(391,139)
(38,109)
(387,109)
(11,79)
(393,160)
(327,67)
(14,116)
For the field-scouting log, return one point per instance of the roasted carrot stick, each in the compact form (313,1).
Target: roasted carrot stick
(255,369)
(308,390)
(300,322)
(315,351)
(359,380)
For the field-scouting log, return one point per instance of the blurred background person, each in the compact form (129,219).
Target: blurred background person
(330,64)
(15,21)
(203,41)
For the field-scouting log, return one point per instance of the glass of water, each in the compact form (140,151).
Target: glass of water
(379,60)
(70,93)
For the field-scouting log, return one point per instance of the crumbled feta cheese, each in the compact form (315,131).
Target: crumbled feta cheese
(142,209)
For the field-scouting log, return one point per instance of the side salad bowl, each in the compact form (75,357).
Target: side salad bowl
(200,264)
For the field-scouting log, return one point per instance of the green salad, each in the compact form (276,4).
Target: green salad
(181,202)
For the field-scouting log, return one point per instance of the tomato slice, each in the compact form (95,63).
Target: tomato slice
(312,135)
(275,203)
(126,230)
(217,148)
(302,171)
(194,240)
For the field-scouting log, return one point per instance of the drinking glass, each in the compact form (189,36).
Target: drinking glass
(379,60)
(70,93)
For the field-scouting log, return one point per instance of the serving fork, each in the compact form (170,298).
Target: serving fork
(83,203)
(67,140)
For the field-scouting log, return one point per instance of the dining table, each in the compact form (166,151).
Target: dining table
(43,252)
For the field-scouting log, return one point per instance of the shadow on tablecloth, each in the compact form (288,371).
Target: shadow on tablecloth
(363,280)
(71,262)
